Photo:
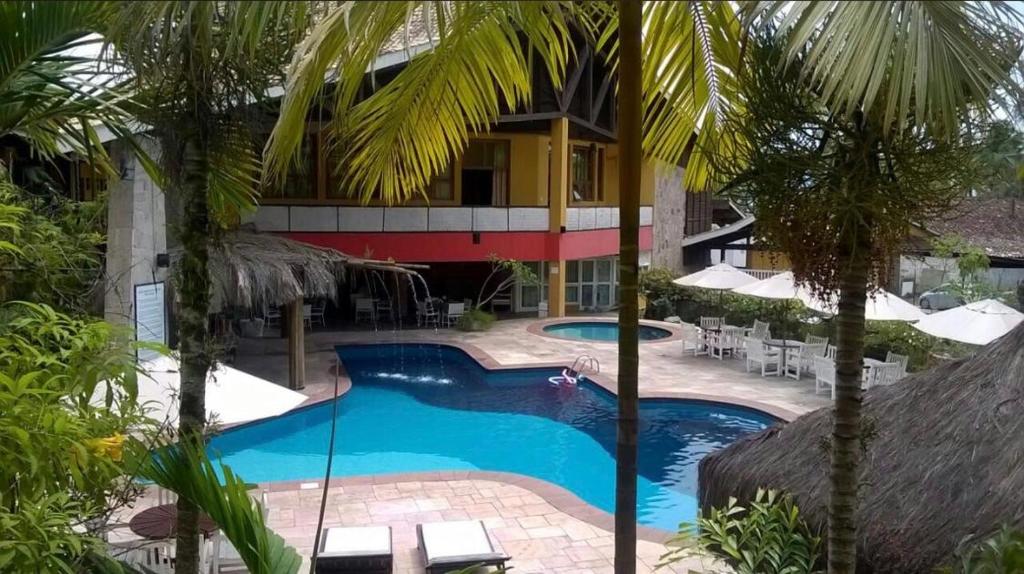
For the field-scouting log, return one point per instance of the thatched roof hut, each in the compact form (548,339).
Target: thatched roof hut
(259,270)
(944,460)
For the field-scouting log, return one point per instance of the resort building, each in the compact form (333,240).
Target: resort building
(540,187)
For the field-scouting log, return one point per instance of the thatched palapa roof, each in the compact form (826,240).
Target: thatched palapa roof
(944,460)
(260,270)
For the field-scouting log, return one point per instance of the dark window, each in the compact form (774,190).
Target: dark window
(485,173)
(585,170)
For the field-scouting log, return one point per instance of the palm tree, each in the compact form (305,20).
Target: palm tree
(196,69)
(913,63)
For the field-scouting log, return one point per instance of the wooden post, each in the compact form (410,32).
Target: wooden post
(296,346)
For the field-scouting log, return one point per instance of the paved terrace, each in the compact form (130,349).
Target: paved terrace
(544,528)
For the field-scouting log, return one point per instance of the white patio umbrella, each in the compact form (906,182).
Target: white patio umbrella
(232,396)
(781,286)
(977,323)
(880,306)
(719,277)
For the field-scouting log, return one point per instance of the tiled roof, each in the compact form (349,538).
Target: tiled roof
(990,224)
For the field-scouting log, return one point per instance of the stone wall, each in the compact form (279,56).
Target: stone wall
(136,233)
(669,217)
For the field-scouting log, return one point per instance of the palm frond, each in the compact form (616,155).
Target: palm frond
(50,97)
(185,469)
(912,63)
(408,130)
(692,56)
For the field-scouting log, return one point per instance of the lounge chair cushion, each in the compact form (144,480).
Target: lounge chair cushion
(356,541)
(457,542)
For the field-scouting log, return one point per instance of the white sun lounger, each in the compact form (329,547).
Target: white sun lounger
(447,546)
(362,549)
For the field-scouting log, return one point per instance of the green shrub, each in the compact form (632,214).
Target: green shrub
(1002,553)
(769,537)
(475,319)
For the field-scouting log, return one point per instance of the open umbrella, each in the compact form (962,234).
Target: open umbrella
(719,277)
(781,286)
(880,306)
(722,277)
(232,396)
(977,323)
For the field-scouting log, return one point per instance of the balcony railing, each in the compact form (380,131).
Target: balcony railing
(295,218)
(761,273)
(350,219)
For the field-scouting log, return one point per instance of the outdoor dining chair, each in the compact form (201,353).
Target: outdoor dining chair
(800,359)
(769,359)
(824,375)
(427,314)
(901,360)
(454,313)
(711,322)
(365,308)
(816,340)
(718,344)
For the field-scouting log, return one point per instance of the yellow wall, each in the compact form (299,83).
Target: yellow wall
(758,259)
(528,176)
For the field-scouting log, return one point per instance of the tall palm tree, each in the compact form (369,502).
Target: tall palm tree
(920,63)
(196,69)
(889,68)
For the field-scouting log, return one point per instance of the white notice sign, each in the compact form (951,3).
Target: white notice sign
(150,317)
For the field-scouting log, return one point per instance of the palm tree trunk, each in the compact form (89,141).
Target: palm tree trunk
(193,288)
(846,429)
(630,158)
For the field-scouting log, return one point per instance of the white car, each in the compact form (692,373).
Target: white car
(939,300)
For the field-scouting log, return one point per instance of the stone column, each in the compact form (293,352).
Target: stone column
(136,234)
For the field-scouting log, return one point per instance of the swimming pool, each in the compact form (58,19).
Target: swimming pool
(427,407)
(601,331)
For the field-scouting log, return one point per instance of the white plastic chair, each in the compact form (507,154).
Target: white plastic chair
(758,353)
(272,316)
(901,360)
(426,314)
(696,337)
(156,556)
(718,345)
(454,313)
(801,359)
(307,315)
(710,322)
(366,308)
(824,375)
(317,313)
(831,351)
(885,374)
(759,330)
(383,307)
(816,340)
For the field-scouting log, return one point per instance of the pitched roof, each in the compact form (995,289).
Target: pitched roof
(942,461)
(990,224)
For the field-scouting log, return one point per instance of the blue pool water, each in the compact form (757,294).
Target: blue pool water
(597,331)
(431,407)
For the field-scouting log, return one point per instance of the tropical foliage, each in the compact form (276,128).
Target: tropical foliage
(53,248)
(66,450)
(766,537)
(225,498)
(54,98)
(1002,553)
(504,274)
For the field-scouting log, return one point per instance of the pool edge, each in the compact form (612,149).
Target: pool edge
(560,498)
(537,328)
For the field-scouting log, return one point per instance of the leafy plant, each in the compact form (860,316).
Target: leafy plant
(504,274)
(65,453)
(223,496)
(475,319)
(50,248)
(769,537)
(1002,553)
